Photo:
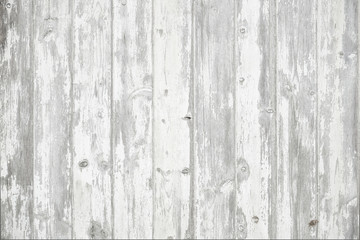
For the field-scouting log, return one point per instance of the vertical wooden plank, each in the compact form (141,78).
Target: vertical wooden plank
(16,119)
(254,118)
(214,159)
(132,123)
(338,107)
(297,115)
(52,115)
(172,117)
(92,212)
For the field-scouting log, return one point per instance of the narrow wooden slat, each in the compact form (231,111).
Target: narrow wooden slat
(172,118)
(296,119)
(132,119)
(16,119)
(214,159)
(338,108)
(52,115)
(92,166)
(254,118)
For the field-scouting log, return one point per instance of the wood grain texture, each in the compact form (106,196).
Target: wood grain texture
(254,118)
(92,166)
(52,117)
(297,119)
(338,104)
(214,158)
(132,119)
(181,119)
(16,119)
(172,118)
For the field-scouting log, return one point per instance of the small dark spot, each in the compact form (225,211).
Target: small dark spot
(255,219)
(100,114)
(163,121)
(8,5)
(84,163)
(187,117)
(158,169)
(313,222)
(341,54)
(160,31)
(242,29)
(185,171)
(166,92)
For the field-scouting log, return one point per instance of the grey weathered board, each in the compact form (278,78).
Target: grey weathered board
(180,119)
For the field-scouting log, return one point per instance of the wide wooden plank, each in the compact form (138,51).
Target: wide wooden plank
(214,159)
(52,117)
(91,92)
(172,118)
(132,119)
(254,117)
(338,108)
(16,119)
(296,119)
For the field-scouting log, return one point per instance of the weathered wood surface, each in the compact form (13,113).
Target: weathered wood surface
(179,119)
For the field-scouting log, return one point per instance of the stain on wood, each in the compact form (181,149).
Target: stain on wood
(179,119)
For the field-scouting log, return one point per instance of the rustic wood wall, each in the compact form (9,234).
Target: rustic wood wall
(179,119)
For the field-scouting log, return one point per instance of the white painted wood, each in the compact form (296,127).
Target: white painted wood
(92,166)
(296,119)
(338,83)
(172,118)
(132,132)
(52,117)
(16,119)
(214,138)
(254,118)
(179,119)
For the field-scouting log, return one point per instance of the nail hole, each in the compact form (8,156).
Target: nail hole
(241,80)
(243,169)
(185,171)
(255,219)
(84,163)
(312,92)
(270,110)
(242,29)
(313,223)
(8,5)
(187,117)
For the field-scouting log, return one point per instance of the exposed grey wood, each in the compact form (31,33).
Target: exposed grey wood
(92,166)
(132,119)
(52,117)
(16,119)
(296,119)
(172,118)
(214,158)
(179,119)
(338,106)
